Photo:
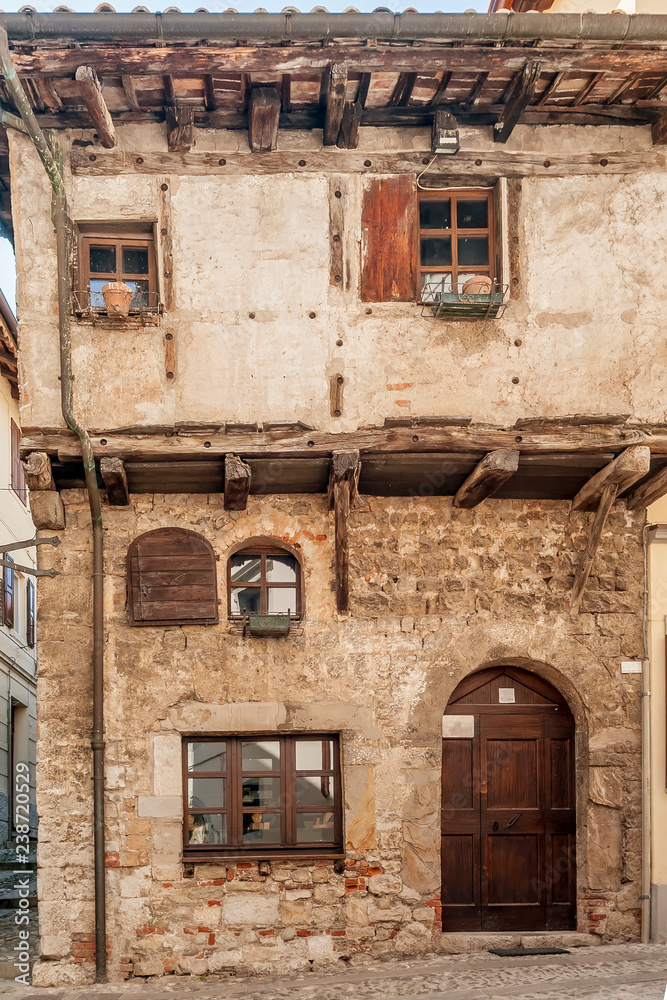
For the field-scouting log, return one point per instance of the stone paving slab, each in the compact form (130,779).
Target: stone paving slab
(627,972)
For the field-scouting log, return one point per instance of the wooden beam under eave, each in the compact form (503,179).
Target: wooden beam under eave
(650,491)
(263,119)
(519,95)
(632,464)
(659,130)
(336,89)
(343,482)
(130,92)
(180,129)
(348,136)
(90,91)
(607,497)
(115,481)
(493,470)
(237,483)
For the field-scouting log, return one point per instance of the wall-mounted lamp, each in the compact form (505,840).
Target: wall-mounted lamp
(445,134)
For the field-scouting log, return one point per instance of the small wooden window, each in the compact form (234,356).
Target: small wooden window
(128,258)
(18,475)
(456,240)
(264,578)
(262,796)
(171,575)
(30,613)
(8,593)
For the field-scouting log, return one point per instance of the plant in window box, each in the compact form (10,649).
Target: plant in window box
(267,626)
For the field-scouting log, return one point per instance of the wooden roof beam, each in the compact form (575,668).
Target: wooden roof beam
(605,501)
(477,89)
(113,473)
(519,95)
(650,491)
(586,90)
(442,87)
(180,129)
(403,90)
(90,90)
(632,464)
(130,92)
(494,470)
(336,87)
(343,482)
(238,478)
(623,88)
(263,119)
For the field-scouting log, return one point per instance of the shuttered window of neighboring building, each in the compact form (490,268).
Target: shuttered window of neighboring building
(30,613)
(8,593)
(18,475)
(171,574)
(389,240)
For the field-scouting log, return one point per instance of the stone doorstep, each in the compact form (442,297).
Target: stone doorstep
(455,943)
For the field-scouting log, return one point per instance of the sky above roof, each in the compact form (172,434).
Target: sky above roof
(189,6)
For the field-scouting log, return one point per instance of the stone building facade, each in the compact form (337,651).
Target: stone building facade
(280,374)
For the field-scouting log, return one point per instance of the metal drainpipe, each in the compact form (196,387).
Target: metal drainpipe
(60,218)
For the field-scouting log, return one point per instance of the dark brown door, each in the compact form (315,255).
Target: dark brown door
(508,816)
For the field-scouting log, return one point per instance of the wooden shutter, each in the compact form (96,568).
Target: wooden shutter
(389,240)
(171,576)
(30,613)
(8,593)
(18,475)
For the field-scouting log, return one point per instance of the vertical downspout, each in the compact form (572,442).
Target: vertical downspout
(60,218)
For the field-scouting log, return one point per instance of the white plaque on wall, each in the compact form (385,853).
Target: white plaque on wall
(506,696)
(458,726)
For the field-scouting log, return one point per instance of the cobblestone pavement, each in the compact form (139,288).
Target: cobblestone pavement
(627,972)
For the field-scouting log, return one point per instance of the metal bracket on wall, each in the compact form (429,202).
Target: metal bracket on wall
(13,546)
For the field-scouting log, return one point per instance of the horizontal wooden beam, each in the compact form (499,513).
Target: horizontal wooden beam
(238,478)
(168,443)
(509,163)
(91,95)
(113,473)
(605,501)
(494,470)
(650,491)
(631,465)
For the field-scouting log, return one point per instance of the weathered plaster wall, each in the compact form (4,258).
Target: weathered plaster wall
(584,335)
(436,593)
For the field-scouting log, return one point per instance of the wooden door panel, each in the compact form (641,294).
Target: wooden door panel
(458,858)
(512,774)
(457,775)
(513,870)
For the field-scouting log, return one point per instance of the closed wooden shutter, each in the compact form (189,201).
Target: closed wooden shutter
(8,593)
(172,579)
(18,475)
(389,240)
(30,613)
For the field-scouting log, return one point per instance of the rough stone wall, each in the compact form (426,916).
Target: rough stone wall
(251,264)
(436,594)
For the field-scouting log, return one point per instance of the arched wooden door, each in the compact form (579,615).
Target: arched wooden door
(508,805)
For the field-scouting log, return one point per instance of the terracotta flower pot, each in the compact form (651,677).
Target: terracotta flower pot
(479,284)
(117,297)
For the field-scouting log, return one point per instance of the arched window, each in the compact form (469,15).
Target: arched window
(264,578)
(171,579)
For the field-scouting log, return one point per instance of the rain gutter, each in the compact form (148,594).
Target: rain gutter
(52,161)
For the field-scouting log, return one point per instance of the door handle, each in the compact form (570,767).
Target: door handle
(513,820)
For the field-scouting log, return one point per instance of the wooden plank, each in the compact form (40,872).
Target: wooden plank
(348,136)
(340,269)
(648,492)
(264,112)
(631,465)
(48,94)
(171,444)
(91,95)
(113,474)
(388,240)
(210,99)
(180,129)
(166,246)
(466,163)
(519,95)
(130,92)
(494,469)
(237,483)
(659,130)
(343,481)
(38,473)
(169,355)
(605,500)
(336,87)
(587,89)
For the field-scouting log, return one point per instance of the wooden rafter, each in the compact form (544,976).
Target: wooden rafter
(48,94)
(403,90)
(631,465)
(648,492)
(442,87)
(263,119)
(656,90)
(210,99)
(551,87)
(180,129)
(519,95)
(336,88)
(343,481)
(237,483)
(493,470)
(286,93)
(623,88)
(605,501)
(90,91)
(587,89)
(130,92)
(364,84)
(114,476)
(477,88)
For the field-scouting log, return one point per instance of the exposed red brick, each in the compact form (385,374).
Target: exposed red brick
(215,902)
(211,939)
(303,933)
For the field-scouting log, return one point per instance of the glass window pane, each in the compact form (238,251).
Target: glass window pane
(473,250)
(261,756)
(246,569)
(245,600)
(135,260)
(211,792)
(103,260)
(436,252)
(263,828)
(436,214)
(96,297)
(141,297)
(281,569)
(264,792)
(472,214)
(314,755)
(206,828)
(315,791)
(281,600)
(207,756)
(435,285)
(315,827)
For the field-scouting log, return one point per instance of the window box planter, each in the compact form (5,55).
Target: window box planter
(267,626)
(461,306)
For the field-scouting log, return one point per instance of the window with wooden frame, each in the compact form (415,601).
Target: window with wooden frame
(18,475)
(456,242)
(172,579)
(30,613)
(117,256)
(8,593)
(262,795)
(264,578)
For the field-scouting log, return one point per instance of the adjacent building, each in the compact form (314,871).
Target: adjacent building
(365,320)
